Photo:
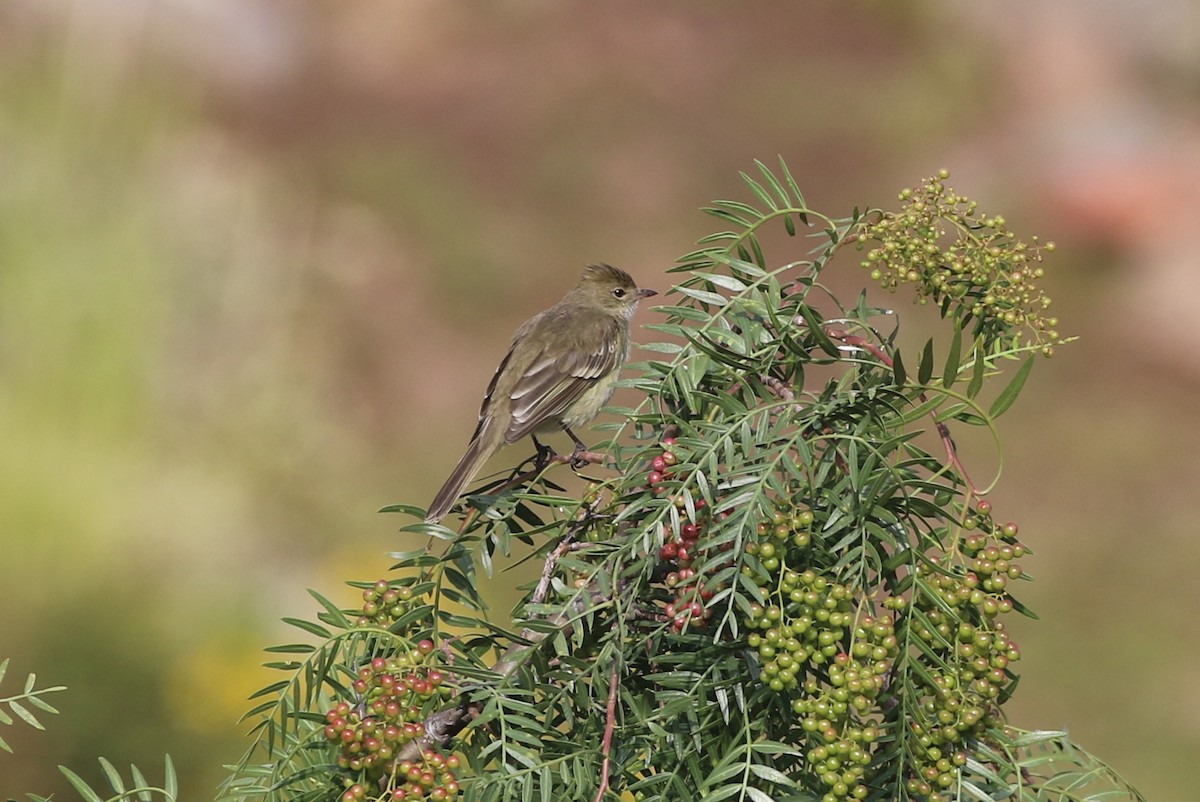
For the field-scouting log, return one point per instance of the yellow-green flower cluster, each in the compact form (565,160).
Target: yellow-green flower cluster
(968,263)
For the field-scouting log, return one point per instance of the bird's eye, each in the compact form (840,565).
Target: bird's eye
(619,292)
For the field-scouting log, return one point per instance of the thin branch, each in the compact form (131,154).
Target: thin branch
(781,390)
(590,457)
(442,726)
(610,723)
(582,457)
(543,585)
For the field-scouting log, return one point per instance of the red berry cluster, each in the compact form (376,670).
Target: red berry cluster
(396,695)
(383,603)
(687,606)
(432,778)
(660,467)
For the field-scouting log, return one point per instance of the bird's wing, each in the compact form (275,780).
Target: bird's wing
(491,389)
(551,384)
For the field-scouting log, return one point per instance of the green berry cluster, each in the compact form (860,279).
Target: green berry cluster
(962,695)
(812,630)
(805,623)
(819,649)
(833,659)
(383,603)
(432,777)
(393,697)
(940,245)
(841,759)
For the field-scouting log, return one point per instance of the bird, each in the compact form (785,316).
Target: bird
(560,369)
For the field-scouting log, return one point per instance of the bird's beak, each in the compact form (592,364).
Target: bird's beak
(646,293)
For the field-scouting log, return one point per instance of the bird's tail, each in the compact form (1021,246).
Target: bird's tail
(481,447)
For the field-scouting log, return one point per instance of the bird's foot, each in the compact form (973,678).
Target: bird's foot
(543,456)
(578,462)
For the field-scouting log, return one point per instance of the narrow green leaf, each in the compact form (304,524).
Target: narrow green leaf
(922,409)
(757,795)
(273,688)
(440,531)
(725,792)
(24,714)
(406,509)
(775,748)
(741,266)
(1027,739)
(140,782)
(662,348)
(791,182)
(308,626)
(815,326)
(704,296)
(725,214)
(898,372)
(925,369)
(170,778)
(720,236)
(758,190)
(80,786)
(727,770)
(738,206)
(972,791)
(485,559)
(3,667)
(114,777)
(335,612)
(42,704)
(1009,394)
(291,648)
(771,775)
(950,373)
(774,182)
(759,258)
(728,282)
(977,374)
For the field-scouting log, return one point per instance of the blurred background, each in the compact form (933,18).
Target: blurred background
(259,258)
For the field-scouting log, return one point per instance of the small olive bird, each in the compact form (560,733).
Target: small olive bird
(558,372)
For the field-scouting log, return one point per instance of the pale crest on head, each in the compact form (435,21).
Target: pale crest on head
(608,274)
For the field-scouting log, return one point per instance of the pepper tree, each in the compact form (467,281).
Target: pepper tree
(778,581)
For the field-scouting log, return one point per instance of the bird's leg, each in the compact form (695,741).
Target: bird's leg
(577,462)
(544,453)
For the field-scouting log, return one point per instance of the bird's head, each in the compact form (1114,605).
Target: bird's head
(610,289)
